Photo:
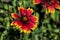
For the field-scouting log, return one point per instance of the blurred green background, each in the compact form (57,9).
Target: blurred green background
(48,26)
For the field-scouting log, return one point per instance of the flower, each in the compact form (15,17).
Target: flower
(49,5)
(26,21)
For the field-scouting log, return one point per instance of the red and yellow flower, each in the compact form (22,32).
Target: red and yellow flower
(49,5)
(26,21)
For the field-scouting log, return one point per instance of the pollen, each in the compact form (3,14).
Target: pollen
(24,18)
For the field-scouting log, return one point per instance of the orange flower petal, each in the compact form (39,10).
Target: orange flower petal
(13,23)
(31,25)
(29,11)
(56,5)
(22,10)
(51,9)
(35,25)
(16,24)
(25,29)
(37,1)
(14,15)
(33,18)
(33,22)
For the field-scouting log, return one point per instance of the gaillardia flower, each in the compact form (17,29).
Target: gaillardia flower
(25,21)
(49,5)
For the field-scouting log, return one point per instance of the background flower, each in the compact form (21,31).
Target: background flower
(49,5)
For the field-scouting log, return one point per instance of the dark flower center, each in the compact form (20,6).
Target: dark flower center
(24,19)
(49,1)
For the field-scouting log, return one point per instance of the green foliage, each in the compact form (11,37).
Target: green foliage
(48,26)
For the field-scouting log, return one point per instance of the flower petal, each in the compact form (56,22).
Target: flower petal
(56,5)
(16,24)
(14,15)
(29,11)
(32,25)
(35,25)
(37,1)
(33,19)
(25,29)
(51,9)
(22,10)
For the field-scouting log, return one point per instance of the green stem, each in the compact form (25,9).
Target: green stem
(3,35)
(33,36)
(20,36)
(25,37)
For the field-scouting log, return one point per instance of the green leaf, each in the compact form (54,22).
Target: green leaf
(25,37)
(1,19)
(43,28)
(14,2)
(1,5)
(6,19)
(6,6)
(2,11)
(56,30)
(46,21)
(55,16)
(36,37)
(1,26)
(3,34)
(37,14)
(7,25)
(10,8)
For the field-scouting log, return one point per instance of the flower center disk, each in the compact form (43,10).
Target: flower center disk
(24,19)
(48,1)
